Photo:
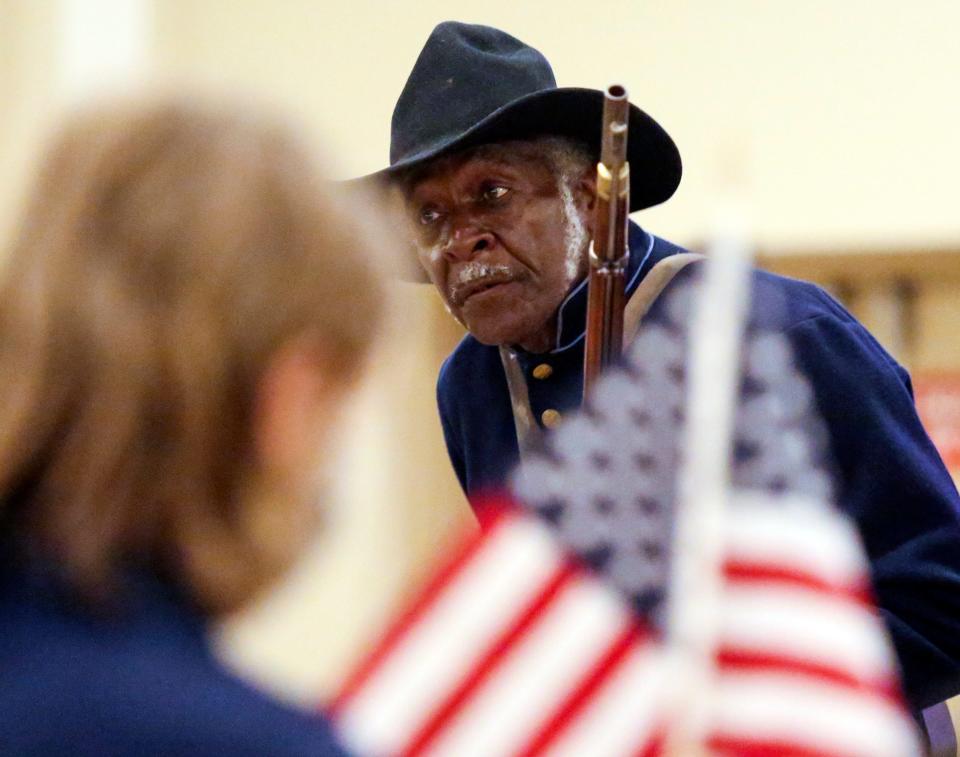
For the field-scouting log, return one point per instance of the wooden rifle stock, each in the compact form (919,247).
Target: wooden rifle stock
(609,253)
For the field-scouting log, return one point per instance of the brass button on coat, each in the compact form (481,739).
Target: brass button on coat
(542,371)
(551,418)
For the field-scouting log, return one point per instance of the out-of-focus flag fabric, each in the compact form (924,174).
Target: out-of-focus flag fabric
(803,665)
(513,649)
(543,635)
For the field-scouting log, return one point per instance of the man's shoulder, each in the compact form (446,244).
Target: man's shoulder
(128,705)
(776,302)
(78,688)
(213,712)
(783,302)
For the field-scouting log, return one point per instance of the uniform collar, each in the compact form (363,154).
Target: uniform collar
(572,314)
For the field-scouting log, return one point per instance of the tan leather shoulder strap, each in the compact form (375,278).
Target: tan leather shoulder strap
(653,284)
(650,288)
(528,432)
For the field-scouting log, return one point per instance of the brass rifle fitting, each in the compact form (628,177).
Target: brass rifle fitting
(605,180)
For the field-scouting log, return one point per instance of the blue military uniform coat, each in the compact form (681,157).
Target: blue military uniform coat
(891,479)
(139,682)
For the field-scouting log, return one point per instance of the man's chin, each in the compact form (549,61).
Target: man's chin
(486,332)
(495,334)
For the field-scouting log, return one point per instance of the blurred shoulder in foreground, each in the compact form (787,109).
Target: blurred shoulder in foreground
(182,314)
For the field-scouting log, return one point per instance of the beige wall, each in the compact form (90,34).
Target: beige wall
(841,115)
(27,39)
(844,111)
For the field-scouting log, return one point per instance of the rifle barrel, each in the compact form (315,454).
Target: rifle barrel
(608,249)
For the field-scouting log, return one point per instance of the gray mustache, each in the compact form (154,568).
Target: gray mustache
(474,272)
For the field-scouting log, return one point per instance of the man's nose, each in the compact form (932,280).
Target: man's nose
(468,241)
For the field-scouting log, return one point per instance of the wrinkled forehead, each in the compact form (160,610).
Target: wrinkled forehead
(513,154)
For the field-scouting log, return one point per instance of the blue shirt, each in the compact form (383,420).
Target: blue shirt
(890,478)
(141,681)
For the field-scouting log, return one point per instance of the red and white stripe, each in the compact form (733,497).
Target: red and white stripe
(803,662)
(512,650)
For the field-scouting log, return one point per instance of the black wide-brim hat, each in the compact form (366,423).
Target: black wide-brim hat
(474,85)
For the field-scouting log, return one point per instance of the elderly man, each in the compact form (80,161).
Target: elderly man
(496,166)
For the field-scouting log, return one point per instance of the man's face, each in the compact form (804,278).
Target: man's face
(497,241)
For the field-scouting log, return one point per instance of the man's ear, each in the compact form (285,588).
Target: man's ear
(587,196)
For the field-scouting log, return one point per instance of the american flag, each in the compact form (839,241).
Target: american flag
(550,635)
(512,649)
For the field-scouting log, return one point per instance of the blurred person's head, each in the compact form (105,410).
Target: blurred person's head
(181,314)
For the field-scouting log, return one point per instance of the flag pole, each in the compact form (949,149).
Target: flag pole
(713,376)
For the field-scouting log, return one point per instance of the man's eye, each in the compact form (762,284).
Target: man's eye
(429,216)
(495,192)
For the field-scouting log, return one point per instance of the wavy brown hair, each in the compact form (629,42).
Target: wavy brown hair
(167,250)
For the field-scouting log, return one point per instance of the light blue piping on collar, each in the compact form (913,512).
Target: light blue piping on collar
(558,349)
